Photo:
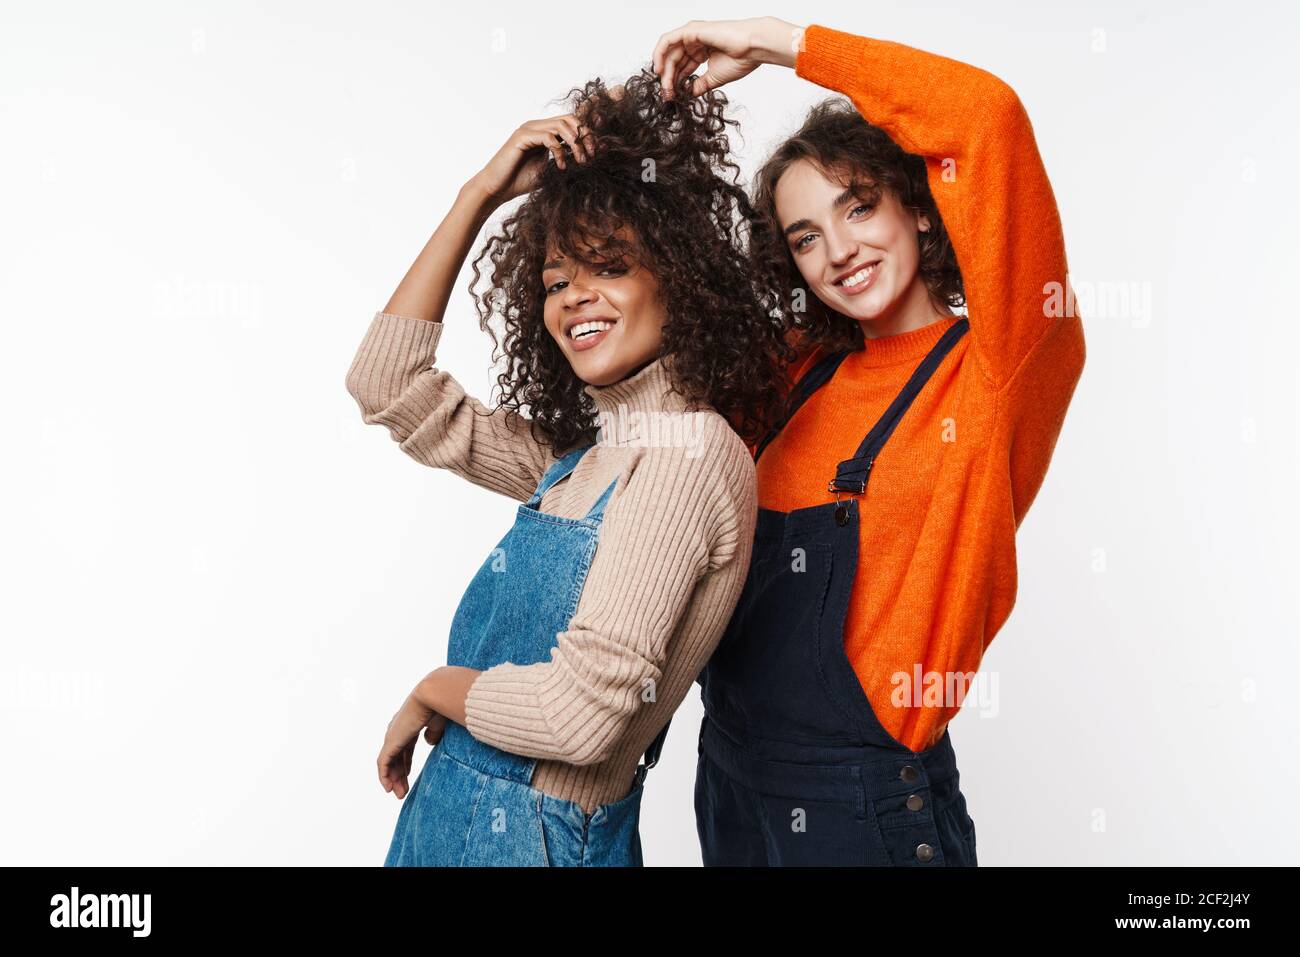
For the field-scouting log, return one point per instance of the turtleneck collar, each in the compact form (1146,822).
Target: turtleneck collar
(634,409)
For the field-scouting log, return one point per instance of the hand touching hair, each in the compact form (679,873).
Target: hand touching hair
(662,168)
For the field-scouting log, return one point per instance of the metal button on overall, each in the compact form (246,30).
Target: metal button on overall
(473,804)
(793,765)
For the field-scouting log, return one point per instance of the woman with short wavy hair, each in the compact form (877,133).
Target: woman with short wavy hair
(913,443)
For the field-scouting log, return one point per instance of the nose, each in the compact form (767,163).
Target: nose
(575,294)
(840,246)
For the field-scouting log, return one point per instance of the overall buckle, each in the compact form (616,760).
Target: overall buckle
(841,506)
(841,487)
(856,486)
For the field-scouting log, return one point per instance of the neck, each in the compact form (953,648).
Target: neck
(642,406)
(915,310)
(649,388)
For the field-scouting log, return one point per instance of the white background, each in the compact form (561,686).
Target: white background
(218,584)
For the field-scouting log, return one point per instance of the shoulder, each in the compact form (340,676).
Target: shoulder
(700,445)
(702,473)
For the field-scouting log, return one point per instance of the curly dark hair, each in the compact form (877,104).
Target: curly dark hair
(835,137)
(656,166)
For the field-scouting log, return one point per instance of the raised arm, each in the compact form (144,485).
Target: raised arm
(984,170)
(982,160)
(391,376)
(428,412)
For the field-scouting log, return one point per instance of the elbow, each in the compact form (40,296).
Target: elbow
(354,389)
(588,709)
(374,395)
(1000,92)
(597,741)
(1005,109)
(585,757)
(1079,351)
(356,383)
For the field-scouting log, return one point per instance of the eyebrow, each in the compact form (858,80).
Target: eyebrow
(845,197)
(557,263)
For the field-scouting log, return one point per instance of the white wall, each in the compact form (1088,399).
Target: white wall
(218,584)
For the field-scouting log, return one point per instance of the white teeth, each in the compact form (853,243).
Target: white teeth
(582,328)
(859,277)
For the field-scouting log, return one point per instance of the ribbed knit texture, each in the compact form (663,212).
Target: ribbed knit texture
(674,549)
(937,559)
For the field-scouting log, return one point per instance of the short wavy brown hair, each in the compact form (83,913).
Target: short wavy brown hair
(656,166)
(835,137)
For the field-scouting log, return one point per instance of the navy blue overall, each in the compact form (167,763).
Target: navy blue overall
(794,767)
(474,804)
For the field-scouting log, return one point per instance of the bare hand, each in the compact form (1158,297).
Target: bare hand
(399,743)
(731,48)
(513,170)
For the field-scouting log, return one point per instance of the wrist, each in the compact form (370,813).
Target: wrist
(777,41)
(426,692)
(445,689)
(478,197)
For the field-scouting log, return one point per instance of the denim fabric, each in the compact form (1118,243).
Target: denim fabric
(784,809)
(472,804)
(794,766)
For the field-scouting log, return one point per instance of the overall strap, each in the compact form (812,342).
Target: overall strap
(562,467)
(851,475)
(597,511)
(651,756)
(810,382)
(558,470)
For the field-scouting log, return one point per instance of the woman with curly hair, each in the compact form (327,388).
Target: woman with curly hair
(869,604)
(645,359)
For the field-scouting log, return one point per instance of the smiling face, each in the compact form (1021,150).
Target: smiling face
(858,254)
(607,318)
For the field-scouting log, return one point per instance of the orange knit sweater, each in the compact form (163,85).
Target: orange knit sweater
(937,561)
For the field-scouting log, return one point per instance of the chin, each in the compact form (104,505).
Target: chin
(874,307)
(859,312)
(595,373)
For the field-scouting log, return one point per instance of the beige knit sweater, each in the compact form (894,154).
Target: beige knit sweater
(674,549)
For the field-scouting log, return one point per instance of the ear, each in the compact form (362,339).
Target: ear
(923,223)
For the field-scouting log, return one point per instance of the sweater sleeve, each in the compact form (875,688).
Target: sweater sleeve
(428,413)
(677,519)
(984,171)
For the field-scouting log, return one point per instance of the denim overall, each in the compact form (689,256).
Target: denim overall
(794,767)
(473,804)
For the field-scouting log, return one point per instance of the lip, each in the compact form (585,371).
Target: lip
(582,345)
(585,317)
(863,287)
